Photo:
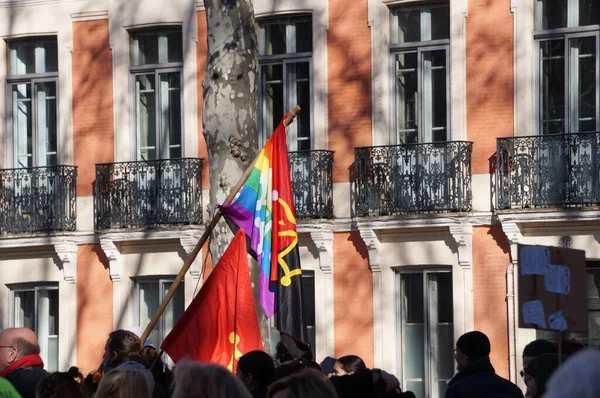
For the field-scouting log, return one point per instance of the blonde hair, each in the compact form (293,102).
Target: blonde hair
(309,383)
(196,380)
(124,383)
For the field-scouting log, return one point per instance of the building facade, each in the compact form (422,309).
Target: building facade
(434,137)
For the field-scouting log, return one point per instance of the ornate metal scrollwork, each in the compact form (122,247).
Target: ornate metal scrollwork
(38,199)
(413,178)
(312,184)
(548,171)
(148,194)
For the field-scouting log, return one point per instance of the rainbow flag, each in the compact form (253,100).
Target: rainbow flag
(253,211)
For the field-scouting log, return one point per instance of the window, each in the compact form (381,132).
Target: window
(308,293)
(425,314)
(149,295)
(36,308)
(157,63)
(420,50)
(32,85)
(568,71)
(592,338)
(285,77)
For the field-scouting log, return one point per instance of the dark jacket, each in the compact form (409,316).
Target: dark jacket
(25,378)
(479,380)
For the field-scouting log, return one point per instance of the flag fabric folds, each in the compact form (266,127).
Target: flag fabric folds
(264,208)
(220,325)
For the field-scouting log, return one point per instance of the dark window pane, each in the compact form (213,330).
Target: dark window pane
(589,12)
(584,51)
(440,96)
(51,56)
(175,47)
(147,49)
(552,87)
(304,36)
(146,116)
(444,299)
(413,298)
(53,312)
(25,309)
(409,25)
(275,38)
(552,14)
(272,97)
(23,58)
(406,102)
(440,22)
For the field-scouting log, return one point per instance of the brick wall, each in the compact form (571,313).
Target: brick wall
(201,54)
(353,298)
(93,123)
(490,263)
(94,306)
(489,63)
(349,83)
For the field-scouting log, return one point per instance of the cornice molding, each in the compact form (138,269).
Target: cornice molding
(463,236)
(324,242)
(67,253)
(89,15)
(515,236)
(369,236)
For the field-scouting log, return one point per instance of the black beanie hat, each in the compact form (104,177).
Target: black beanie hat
(474,345)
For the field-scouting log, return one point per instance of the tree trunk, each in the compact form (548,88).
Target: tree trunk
(229,115)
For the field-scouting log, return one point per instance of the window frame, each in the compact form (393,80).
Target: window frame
(157,69)
(35,288)
(419,47)
(427,311)
(161,280)
(564,34)
(284,60)
(38,155)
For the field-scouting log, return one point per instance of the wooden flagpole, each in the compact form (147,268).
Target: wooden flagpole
(209,228)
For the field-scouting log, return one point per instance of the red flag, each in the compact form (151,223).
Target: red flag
(220,324)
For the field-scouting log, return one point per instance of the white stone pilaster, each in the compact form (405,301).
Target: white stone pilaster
(323,240)
(369,236)
(115,269)
(463,236)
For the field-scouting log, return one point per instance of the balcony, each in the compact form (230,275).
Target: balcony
(38,199)
(413,179)
(148,194)
(312,185)
(548,171)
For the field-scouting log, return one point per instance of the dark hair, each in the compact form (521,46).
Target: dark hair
(25,347)
(571,346)
(259,364)
(282,354)
(292,367)
(60,384)
(308,383)
(541,368)
(539,347)
(124,343)
(475,345)
(352,363)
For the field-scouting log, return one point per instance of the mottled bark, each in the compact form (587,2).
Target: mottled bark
(229,115)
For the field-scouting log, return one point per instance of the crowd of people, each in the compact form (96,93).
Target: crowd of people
(131,369)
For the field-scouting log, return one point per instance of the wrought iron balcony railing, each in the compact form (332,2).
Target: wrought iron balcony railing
(413,178)
(38,199)
(148,194)
(548,171)
(312,185)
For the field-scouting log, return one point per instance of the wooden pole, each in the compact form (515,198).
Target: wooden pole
(211,225)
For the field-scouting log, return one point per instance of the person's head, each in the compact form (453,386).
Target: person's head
(534,349)
(471,347)
(348,364)
(577,377)
(119,345)
(571,346)
(290,367)
(59,385)
(327,366)
(255,369)
(16,343)
(195,380)
(309,383)
(125,382)
(539,370)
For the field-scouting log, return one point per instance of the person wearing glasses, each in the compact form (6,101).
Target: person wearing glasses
(476,377)
(532,350)
(20,362)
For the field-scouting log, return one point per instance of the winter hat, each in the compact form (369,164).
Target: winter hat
(327,365)
(474,345)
